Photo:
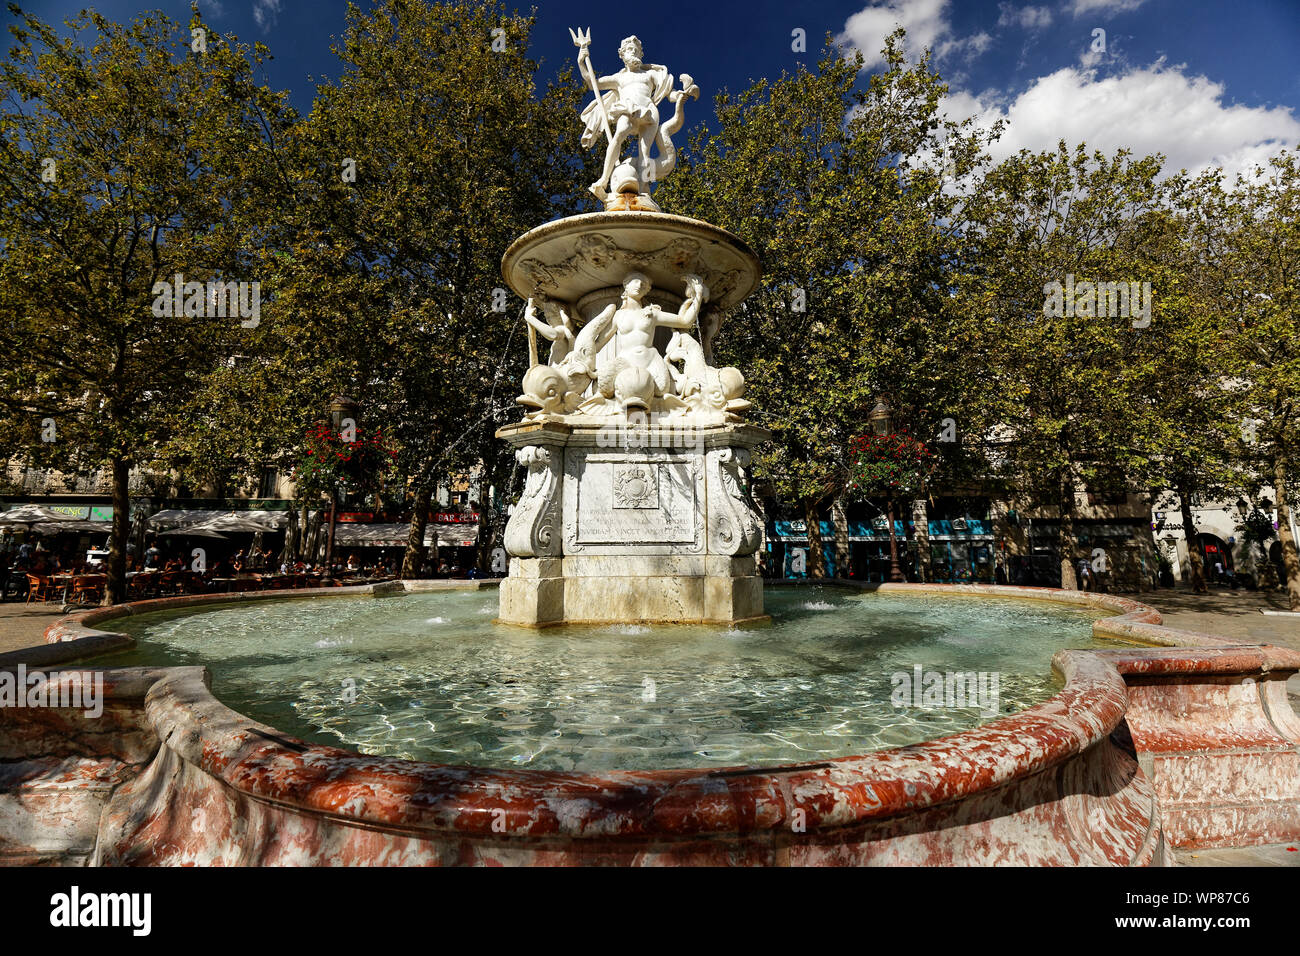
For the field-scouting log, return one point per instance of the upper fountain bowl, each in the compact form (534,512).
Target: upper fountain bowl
(568,259)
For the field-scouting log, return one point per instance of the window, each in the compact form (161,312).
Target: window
(1108,488)
(270,478)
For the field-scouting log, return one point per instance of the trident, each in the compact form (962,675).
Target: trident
(582,40)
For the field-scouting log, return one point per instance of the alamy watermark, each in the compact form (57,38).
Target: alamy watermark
(74,908)
(210,300)
(653,430)
(949,690)
(68,689)
(1100,300)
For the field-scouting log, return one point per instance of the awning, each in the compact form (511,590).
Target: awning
(179,518)
(878,530)
(394,535)
(33,514)
(83,527)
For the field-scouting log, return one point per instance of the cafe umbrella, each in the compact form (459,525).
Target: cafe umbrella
(288,553)
(192,532)
(231,523)
(28,515)
(139,528)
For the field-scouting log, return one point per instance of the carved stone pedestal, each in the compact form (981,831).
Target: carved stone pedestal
(626,524)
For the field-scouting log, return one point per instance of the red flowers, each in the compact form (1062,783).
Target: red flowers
(329,463)
(896,461)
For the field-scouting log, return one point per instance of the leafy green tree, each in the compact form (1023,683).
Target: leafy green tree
(1070,388)
(1259,278)
(848,195)
(129,154)
(1188,423)
(431,152)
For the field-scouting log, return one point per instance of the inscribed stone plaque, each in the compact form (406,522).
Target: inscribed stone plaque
(629,500)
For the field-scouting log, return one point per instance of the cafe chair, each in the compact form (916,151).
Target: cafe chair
(39,586)
(88,588)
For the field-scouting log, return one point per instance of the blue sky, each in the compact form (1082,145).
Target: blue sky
(1198,81)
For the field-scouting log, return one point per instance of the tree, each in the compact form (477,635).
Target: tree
(1259,279)
(1189,422)
(1069,379)
(847,196)
(414,171)
(130,154)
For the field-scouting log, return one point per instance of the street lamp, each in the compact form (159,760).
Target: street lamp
(881,420)
(341,409)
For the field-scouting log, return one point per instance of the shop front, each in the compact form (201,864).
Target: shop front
(962,551)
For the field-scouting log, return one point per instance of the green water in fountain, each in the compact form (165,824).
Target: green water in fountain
(434,679)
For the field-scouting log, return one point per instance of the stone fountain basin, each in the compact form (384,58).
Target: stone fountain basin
(1186,742)
(572,259)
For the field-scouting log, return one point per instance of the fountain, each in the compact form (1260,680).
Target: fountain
(635,506)
(809,742)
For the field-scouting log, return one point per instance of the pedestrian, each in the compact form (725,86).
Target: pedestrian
(1085,576)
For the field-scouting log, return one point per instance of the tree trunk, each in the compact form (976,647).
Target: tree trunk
(840,521)
(1290,558)
(761,555)
(816,553)
(304,525)
(414,557)
(921,521)
(1195,554)
(1065,534)
(115,586)
(328,577)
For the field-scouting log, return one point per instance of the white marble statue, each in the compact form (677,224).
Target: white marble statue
(557,329)
(634,374)
(703,388)
(639,372)
(626,106)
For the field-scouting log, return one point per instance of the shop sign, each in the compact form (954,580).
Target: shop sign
(72,511)
(455,517)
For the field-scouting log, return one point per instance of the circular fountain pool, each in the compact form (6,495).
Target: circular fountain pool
(430,677)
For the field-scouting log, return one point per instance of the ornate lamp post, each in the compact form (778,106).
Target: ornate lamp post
(881,420)
(341,409)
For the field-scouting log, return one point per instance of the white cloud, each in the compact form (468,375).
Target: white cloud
(265,12)
(1157,109)
(1030,18)
(213,8)
(1106,8)
(926,23)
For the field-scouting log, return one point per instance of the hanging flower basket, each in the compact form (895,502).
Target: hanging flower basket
(896,464)
(330,464)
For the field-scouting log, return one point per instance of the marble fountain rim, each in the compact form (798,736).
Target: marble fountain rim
(591,222)
(396,794)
